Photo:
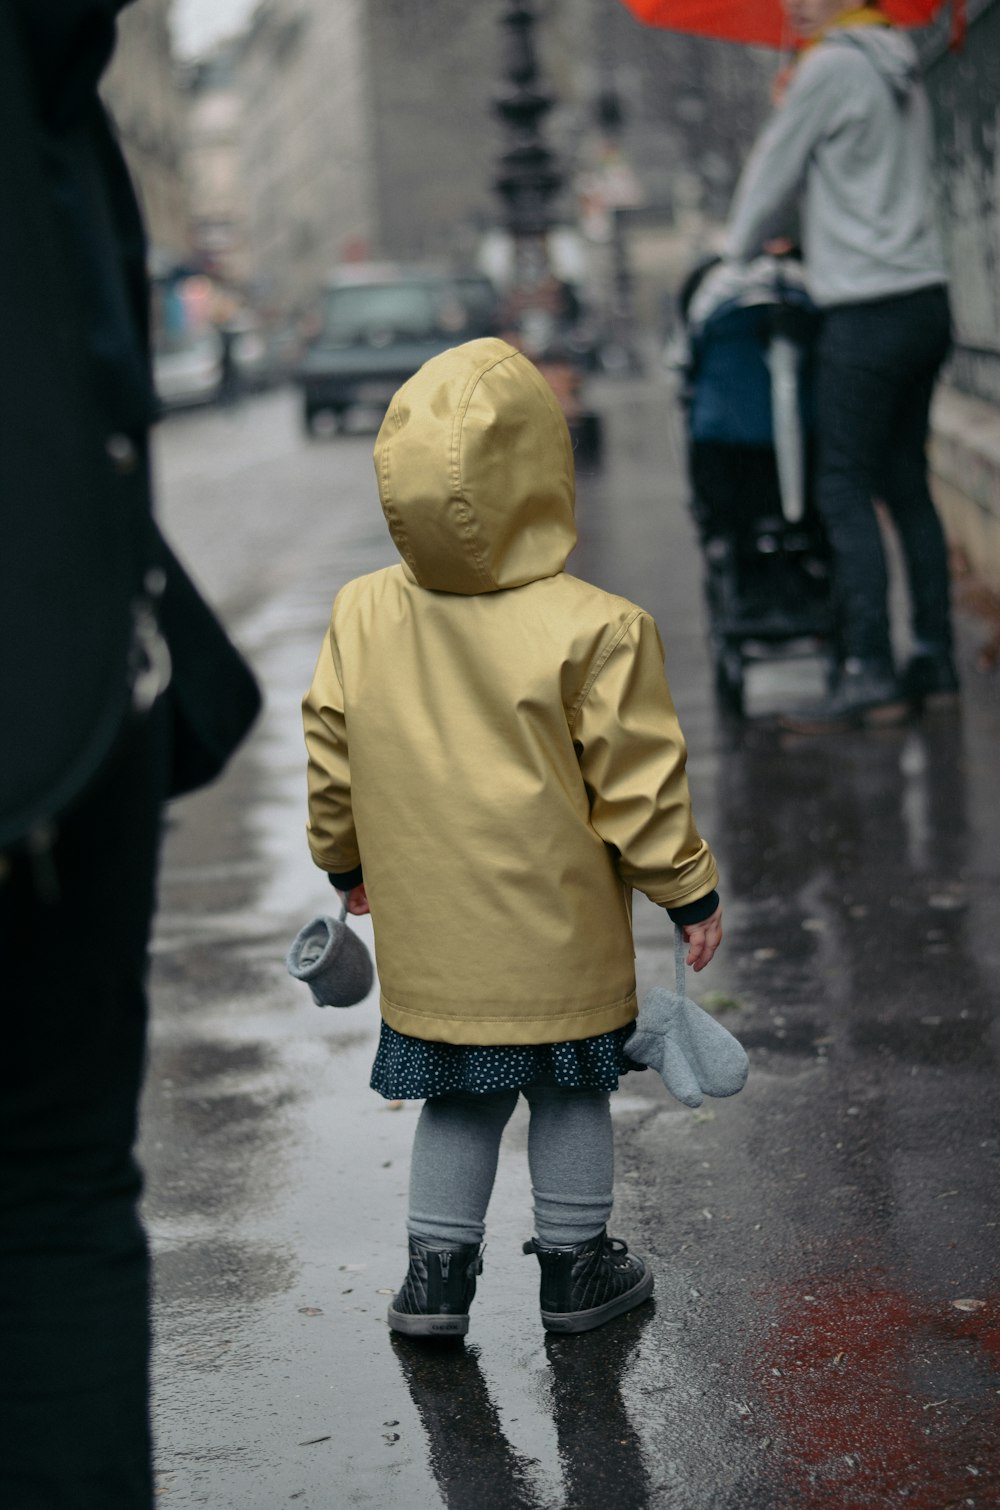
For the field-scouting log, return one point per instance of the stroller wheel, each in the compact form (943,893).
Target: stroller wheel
(729,678)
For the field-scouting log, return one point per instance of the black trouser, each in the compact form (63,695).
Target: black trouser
(876,368)
(74,1330)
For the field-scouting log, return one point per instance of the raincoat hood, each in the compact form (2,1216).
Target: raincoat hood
(475,472)
(890,52)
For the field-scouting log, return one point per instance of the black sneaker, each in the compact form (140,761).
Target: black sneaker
(867,695)
(435,1296)
(586,1284)
(930,679)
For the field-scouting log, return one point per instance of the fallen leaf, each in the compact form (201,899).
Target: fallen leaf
(385,1292)
(718,1001)
(968,1305)
(310,1311)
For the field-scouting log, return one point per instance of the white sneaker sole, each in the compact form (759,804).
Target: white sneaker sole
(428,1326)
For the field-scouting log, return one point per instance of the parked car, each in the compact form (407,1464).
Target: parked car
(187,368)
(378,324)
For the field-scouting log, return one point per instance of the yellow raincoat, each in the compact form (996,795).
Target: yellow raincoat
(493,739)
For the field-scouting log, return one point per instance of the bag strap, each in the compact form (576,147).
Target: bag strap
(680,956)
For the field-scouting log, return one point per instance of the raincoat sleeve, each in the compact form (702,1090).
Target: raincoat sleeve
(333,842)
(632,755)
(764,202)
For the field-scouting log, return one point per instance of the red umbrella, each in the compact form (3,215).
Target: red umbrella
(763,21)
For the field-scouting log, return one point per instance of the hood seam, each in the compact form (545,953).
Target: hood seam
(436,477)
(454,461)
(400,533)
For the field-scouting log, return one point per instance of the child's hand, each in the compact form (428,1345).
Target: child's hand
(357,901)
(704,938)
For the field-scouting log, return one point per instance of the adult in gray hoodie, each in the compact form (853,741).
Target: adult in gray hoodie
(849,148)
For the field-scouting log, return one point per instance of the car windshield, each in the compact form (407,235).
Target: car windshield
(381,314)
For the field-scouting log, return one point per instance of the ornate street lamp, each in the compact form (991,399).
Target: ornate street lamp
(528,180)
(621,192)
(528,177)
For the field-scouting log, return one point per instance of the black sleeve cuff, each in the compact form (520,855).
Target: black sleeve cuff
(694,912)
(347,879)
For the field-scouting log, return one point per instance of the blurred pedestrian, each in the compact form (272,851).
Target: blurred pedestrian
(230,384)
(849,145)
(494,742)
(118,688)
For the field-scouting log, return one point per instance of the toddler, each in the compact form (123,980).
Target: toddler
(494,764)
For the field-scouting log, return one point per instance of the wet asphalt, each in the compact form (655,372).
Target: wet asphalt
(826,1324)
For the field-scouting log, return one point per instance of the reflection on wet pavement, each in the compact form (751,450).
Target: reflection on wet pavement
(826,1326)
(470,1457)
(599,1450)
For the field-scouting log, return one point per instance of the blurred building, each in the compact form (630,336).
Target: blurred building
(141,91)
(307,145)
(369,127)
(214,132)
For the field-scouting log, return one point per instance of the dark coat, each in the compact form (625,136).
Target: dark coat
(81,559)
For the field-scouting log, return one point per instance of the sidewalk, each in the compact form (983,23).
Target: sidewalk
(824,1329)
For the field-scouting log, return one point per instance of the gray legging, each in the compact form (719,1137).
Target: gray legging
(570,1156)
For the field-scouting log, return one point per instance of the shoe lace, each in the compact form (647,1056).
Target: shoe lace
(617,1251)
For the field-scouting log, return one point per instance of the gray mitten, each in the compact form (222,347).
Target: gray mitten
(332,961)
(696,1055)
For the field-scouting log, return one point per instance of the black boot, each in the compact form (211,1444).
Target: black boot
(867,695)
(436,1294)
(930,678)
(586,1284)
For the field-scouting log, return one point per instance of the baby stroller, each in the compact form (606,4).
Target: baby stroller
(746,397)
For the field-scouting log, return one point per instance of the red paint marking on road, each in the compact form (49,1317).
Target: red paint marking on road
(879,1394)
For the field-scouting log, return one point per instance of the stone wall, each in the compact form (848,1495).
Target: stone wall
(964,87)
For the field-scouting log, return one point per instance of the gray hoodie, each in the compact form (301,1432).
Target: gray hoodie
(852,137)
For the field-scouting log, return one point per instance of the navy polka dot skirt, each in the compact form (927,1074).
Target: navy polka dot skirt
(411,1069)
